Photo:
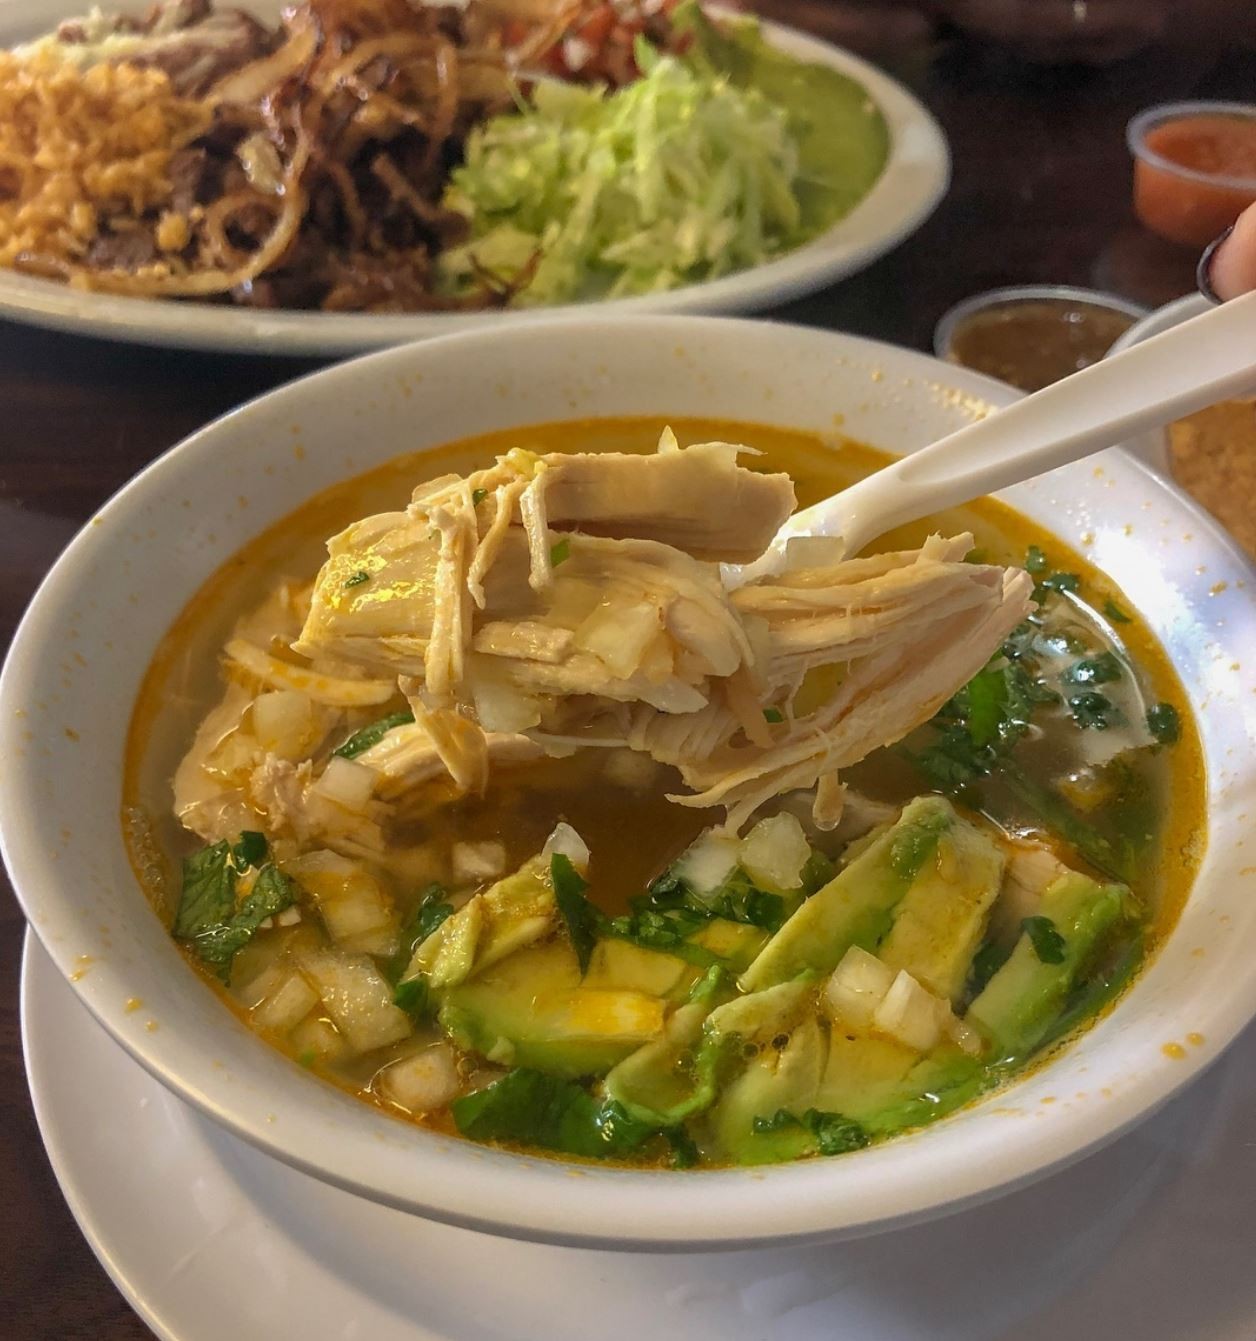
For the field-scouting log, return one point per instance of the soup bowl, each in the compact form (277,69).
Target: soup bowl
(86,642)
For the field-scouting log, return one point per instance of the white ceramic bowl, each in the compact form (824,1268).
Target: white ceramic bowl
(1153,447)
(123,580)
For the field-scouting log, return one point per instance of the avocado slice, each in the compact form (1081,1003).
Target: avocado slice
(736,944)
(773,1080)
(514,912)
(531,1010)
(941,920)
(1022,1001)
(616,964)
(661,1082)
(856,907)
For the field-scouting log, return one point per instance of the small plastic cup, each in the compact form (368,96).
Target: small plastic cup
(1033,334)
(1194,168)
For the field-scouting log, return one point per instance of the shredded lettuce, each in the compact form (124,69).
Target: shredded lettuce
(709,163)
(676,178)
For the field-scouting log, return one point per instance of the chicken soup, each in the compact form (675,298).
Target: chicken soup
(502,810)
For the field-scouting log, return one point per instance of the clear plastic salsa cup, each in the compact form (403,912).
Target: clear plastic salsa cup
(1194,168)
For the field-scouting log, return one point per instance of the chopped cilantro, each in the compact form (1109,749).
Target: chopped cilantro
(1059,582)
(362,740)
(358,578)
(208,916)
(782,1118)
(835,1134)
(250,850)
(684,1152)
(560,552)
(773,715)
(1035,560)
(986,963)
(478,496)
(1115,613)
(577,912)
(1090,710)
(531,1108)
(1049,945)
(208,894)
(412,996)
(1163,723)
(1101,669)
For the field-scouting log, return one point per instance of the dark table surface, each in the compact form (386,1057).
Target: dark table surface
(1040,194)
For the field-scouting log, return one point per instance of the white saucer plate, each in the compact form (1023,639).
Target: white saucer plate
(914,179)
(208,1238)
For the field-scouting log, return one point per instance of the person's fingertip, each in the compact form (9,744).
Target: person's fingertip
(1204,271)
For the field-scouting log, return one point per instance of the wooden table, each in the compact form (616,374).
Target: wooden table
(1041,193)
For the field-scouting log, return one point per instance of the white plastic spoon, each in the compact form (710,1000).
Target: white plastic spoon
(1202,361)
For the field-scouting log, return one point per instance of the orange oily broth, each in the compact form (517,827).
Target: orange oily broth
(632,835)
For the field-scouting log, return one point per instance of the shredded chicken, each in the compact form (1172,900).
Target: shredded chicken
(559,602)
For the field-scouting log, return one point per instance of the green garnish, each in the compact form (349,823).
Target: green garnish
(362,740)
(835,1134)
(1035,560)
(773,715)
(710,162)
(208,916)
(580,916)
(1090,711)
(1115,613)
(478,496)
(779,1121)
(1164,723)
(1102,669)
(560,552)
(986,963)
(358,578)
(1049,945)
(1059,582)
(528,1107)
(251,849)
(413,997)
(684,1151)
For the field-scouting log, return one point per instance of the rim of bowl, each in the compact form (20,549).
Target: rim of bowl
(1162,113)
(496,1190)
(1012,294)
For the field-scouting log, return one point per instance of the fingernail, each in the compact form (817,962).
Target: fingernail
(1203,272)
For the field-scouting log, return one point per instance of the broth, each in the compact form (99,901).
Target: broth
(611,804)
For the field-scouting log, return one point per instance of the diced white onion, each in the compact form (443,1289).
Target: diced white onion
(857,987)
(478,861)
(619,634)
(320,1038)
(709,861)
(354,906)
(285,1007)
(566,840)
(357,998)
(284,723)
(910,1013)
(423,1082)
(775,851)
(347,783)
(964,1036)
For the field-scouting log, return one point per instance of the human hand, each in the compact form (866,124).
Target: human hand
(1228,268)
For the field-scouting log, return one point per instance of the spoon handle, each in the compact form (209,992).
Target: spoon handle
(1204,360)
